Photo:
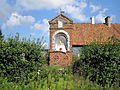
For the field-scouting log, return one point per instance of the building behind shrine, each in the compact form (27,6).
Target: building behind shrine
(65,34)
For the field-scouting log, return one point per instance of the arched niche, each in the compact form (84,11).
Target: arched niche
(61,41)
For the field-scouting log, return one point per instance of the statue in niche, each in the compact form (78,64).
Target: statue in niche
(61,43)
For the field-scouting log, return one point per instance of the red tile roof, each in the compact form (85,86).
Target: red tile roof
(87,32)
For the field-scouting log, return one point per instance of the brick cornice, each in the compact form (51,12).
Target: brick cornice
(61,28)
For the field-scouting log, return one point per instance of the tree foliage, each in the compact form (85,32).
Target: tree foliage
(1,36)
(18,57)
(100,63)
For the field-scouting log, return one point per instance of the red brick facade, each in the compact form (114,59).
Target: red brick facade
(80,34)
(60,58)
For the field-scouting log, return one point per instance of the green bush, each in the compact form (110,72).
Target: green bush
(20,56)
(100,63)
(56,78)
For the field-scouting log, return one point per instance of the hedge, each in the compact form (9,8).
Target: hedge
(100,63)
(20,56)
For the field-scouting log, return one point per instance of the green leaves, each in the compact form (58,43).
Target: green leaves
(1,36)
(57,78)
(18,56)
(100,62)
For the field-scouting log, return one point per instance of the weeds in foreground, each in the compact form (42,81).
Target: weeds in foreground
(54,78)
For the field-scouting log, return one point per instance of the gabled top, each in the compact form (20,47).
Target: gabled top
(61,17)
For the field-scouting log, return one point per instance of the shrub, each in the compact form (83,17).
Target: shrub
(56,78)
(100,63)
(18,57)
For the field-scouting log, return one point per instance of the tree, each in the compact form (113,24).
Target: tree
(1,36)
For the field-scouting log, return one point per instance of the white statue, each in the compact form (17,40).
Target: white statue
(61,46)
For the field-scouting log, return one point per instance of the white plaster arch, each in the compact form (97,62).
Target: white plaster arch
(54,38)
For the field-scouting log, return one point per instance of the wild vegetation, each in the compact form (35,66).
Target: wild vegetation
(24,67)
(100,63)
(53,78)
(19,57)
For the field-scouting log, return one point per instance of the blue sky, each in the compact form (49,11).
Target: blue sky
(30,17)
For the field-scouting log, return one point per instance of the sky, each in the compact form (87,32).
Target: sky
(30,18)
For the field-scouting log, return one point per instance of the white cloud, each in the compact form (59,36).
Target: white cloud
(83,4)
(17,19)
(101,15)
(73,7)
(37,26)
(76,12)
(43,4)
(5,9)
(44,26)
(94,8)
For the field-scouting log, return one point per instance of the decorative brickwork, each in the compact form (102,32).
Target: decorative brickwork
(60,58)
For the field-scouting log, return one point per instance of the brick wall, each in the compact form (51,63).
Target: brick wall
(60,58)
